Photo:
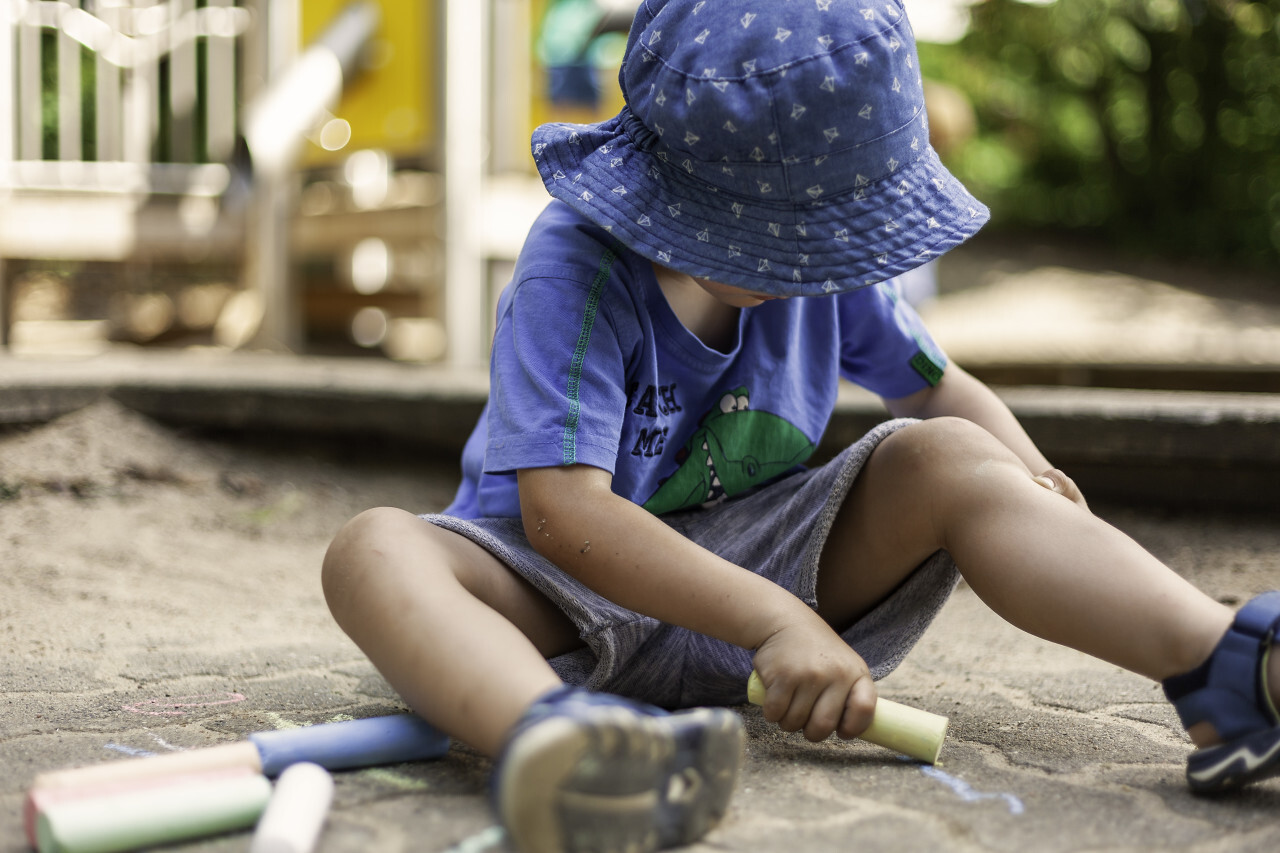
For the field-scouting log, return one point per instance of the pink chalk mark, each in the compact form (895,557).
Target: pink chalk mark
(178,703)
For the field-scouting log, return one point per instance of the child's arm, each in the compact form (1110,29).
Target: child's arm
(961,395)
(627,555)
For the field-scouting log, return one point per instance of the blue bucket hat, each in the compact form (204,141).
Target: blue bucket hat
(781,147)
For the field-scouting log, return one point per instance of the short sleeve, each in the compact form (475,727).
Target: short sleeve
(557,391)
(884,345)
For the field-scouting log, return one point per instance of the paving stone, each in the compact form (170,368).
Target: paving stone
(1048,750)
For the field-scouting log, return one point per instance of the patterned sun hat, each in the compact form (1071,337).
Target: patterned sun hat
(777,145)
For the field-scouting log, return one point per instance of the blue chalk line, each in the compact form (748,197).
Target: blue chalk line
(486,839)
(966,792)
(128,750)
(155,737)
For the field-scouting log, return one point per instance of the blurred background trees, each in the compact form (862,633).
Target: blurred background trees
(1153,124)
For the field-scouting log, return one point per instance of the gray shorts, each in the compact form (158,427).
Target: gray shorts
(777,531)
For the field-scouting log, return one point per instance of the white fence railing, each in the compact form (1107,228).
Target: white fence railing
(119,120)
(118,95)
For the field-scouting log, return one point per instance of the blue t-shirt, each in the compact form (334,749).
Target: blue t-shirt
(591,366)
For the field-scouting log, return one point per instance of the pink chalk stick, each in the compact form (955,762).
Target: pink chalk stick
(238,754)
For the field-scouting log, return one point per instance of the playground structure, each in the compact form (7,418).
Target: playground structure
(315,175)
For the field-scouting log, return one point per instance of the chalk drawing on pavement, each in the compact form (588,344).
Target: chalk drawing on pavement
(177,706)
(128,750)
(966,792)
(486,839)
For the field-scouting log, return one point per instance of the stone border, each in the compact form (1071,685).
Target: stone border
(1168,448)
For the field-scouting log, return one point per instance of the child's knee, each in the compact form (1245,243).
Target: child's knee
(354,550)
(945,447)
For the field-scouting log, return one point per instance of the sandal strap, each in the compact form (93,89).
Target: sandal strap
(1260,617)
(1232,695)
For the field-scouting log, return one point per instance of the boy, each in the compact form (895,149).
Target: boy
(635,524)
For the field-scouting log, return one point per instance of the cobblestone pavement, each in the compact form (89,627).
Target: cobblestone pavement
(160,592)
(148,569)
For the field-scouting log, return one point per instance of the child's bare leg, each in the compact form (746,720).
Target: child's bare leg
(458,635)
(1036,558)
(463,639)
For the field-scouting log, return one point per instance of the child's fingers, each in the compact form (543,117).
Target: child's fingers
(819,711)
(1056,481)
(808,673)
(827,713)
(804,706)
(799,708)
(777,700)
(859,709)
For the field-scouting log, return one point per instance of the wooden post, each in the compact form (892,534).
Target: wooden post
(30,122)
(8,117)
(465,288)
(141,94)
(108,145)
(70,141)
(8,121)
(220,93)
(182,82)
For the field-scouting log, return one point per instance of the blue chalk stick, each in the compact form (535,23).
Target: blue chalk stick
(353,743)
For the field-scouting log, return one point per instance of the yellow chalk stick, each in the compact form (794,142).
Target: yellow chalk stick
(901,728)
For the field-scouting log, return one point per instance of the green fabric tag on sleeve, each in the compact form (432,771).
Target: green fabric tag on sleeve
(927,367)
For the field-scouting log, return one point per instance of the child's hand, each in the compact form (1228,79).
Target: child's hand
(1056,481)
(814,682)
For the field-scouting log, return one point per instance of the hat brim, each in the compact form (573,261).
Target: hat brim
(836,243)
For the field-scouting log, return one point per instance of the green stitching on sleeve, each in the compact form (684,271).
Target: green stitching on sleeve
(569,442)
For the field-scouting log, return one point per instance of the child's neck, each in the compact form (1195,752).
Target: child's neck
(707,318)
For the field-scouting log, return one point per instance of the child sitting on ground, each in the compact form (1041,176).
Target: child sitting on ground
(636,529)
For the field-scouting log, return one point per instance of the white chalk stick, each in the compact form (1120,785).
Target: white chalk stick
(297,811)
(914,733)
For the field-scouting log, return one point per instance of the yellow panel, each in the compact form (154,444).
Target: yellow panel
(391,105)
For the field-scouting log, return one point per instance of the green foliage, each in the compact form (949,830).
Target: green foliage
(161,153)
(1152,122)
(49,98)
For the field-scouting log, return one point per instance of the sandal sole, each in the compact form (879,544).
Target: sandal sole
(1232,765)
(613,781)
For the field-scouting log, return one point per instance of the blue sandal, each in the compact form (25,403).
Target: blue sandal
(595,772)
(1229,691)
